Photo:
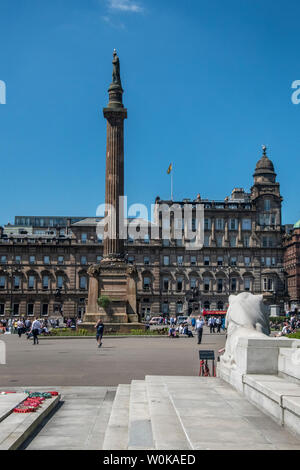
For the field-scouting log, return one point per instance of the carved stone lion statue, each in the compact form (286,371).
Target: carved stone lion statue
(247,316)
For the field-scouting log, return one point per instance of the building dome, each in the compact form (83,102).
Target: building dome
(297,224)
(264,165)
(264,170)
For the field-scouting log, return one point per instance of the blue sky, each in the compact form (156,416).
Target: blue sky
(206,84)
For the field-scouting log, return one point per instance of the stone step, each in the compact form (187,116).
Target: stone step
(168,433)
(140,435)
(17,427)
(116,434)
(9,402)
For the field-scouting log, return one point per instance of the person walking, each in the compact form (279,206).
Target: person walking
(20,327)
(199,328)
(219,322)
(99,332)
(35,329)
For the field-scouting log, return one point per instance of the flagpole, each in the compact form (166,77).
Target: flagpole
(172,183)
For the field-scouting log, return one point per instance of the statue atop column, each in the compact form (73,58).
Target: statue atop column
(116,78)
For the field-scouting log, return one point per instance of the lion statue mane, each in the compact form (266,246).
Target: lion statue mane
(247,316)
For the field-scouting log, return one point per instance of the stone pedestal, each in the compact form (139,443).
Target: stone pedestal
(116,280)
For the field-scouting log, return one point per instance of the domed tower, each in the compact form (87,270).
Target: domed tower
(265,192)
(266,200)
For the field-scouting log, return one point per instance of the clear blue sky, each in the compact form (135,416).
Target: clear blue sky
(206,84)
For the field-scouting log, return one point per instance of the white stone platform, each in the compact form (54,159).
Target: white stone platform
(161,413)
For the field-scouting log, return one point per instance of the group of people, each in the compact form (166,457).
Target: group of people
(216,323)
(290,325)
(182,329)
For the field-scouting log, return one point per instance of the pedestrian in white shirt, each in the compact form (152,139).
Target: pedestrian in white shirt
(35,329)
(199,328)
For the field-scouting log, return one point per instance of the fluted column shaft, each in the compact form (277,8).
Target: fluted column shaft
(114,180)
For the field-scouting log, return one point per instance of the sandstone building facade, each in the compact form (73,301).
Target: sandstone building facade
(44,260)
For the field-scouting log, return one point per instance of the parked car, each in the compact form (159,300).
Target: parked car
(155,321)
(181,319)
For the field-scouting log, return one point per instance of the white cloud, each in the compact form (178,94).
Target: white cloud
(125,5)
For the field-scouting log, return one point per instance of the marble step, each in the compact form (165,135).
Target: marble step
(140,436)
(116,434)
(168,433)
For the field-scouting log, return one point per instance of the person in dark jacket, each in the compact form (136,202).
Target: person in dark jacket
(99,332)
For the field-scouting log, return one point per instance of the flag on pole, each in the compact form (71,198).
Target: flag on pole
(169,169)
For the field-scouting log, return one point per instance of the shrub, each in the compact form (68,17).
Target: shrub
(104,301)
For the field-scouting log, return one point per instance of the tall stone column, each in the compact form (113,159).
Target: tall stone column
(114,113)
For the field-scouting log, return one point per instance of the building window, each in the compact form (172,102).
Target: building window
(193,260)
(17,282)
(247,283)
(82,282)
(83,260)
(60,260)
(166,242)
(83,238)
(247,261)
(166,260)
(220,285)
(179,284)
(45,282)
(268,284)
(219,239)
(3,260)
(233,224)
(45,310)
(246,241)
(60,282)
(2,309)
(18,259)
(206,240)
(147,239)
(2,282)
(165,307)
(206,260)
(220,261)
(180,260)
(31,280)
(233,261)
(233,242)
(31,259)
(246,224)
(206,305)
(99,258)
(220,305)
(220,224)
(146,283)
(179,307)
(193,282)
(267,204)
(206,284)
(233,284)
(16,308)
(131,259)
(146,260)
(30,309)
(46,260)
(165,283)
(207,224)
